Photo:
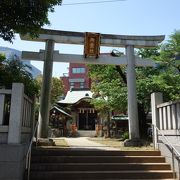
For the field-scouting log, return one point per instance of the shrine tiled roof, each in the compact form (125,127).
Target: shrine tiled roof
(60,110)
(74,96)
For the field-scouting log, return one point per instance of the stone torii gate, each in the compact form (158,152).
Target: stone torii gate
(50,37)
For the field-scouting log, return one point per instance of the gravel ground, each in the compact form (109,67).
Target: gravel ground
(95,142)
(117,143)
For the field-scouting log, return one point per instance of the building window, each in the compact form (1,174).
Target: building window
(72,85)
(78,70)
(81,85)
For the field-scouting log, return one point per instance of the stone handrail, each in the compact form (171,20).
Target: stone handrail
(174,152)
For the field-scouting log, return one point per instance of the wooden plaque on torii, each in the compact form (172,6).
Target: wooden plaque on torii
(91,45)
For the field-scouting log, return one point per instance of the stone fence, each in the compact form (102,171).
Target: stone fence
(16,120)
(16,115)
(166,117)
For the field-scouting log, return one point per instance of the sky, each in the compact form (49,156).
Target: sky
(127,17)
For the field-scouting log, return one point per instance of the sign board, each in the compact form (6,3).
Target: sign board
(120,118)
(92,45)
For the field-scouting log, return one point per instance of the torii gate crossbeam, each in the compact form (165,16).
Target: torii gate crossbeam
(70,37)
(129,42)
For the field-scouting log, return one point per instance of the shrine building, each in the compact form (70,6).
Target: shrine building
(82,111)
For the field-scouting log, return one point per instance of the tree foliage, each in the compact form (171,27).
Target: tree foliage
(15,71)
(57,88)
(165,77)
(108,88)
(170,53)
(108,91)
(24,16)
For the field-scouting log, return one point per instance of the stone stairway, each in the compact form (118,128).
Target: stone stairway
(66,164)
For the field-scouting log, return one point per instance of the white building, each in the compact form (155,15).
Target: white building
(14,54)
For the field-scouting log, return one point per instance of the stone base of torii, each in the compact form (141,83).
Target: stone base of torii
(50,37)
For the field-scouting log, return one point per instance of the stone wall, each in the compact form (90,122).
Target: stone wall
(12,161)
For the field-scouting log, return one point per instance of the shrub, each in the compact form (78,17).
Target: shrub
(125,135)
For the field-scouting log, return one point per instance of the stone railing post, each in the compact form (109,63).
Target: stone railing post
(15,120)
(2,100)
(156,98)
(33,123)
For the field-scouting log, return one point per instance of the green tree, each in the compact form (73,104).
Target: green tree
(24,16)
(165,77)
(57,88)
(109,90)
(170,53)
(15,71)
(109,86)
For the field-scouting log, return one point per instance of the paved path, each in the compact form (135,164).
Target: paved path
(84,143)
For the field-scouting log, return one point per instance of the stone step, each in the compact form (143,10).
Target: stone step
(81,175)
(98,159)
(69,152)
(124,179)
(98,166)
(66,164)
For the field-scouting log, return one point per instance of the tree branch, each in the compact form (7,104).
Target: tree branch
(122,75)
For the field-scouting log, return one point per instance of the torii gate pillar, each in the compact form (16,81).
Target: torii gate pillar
(132,97)
(46,90)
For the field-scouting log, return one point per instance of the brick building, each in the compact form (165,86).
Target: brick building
(76,78)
